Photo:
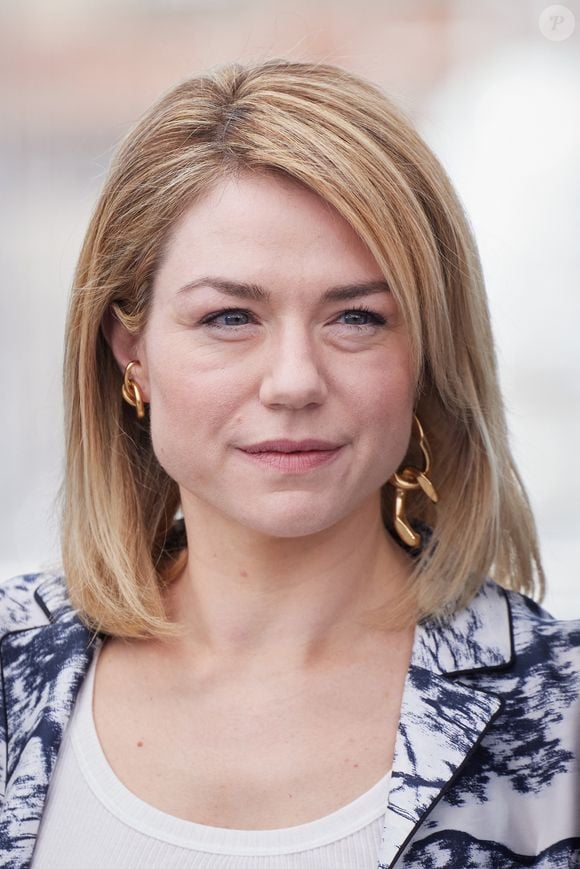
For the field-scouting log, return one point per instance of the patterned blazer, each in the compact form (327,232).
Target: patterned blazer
(486,772)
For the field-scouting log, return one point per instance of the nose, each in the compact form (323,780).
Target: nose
(293,376)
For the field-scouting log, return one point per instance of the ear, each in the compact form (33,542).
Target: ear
(126,347)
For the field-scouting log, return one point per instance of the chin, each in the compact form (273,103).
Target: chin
(289,523)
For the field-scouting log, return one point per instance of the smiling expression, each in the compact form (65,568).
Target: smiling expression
(252,335)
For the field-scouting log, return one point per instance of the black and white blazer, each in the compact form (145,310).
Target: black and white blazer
(486,772)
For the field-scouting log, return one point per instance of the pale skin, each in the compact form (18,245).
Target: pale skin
(282,703)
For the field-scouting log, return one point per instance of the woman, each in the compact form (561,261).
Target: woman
(295,625)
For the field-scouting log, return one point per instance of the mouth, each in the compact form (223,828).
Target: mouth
(286,445)
(296,461)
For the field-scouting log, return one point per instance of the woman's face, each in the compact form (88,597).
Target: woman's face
(288,364)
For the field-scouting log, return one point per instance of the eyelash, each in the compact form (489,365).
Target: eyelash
(378,318)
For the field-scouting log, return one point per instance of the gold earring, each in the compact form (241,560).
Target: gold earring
(408,479)
(131,392)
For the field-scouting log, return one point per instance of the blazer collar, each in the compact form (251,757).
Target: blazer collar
(478,637)
(442,721)
(43,663)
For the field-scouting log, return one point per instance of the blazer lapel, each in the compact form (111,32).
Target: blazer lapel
(442,721)
(43,666)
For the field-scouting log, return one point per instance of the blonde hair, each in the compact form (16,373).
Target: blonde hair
(346,140)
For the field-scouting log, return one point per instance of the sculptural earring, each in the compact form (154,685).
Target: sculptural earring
(407,480)
(131,392)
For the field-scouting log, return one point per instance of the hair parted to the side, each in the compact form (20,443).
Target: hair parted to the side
(342,137)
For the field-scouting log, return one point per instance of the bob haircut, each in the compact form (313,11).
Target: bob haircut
(341,137)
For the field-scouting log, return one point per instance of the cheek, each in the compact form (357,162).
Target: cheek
(184,382)
(188,413)
(387,391)
(385,410)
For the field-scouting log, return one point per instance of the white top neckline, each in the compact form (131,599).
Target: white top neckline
(136,813)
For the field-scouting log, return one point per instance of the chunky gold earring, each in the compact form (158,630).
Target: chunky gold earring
(408,479)
(131,392)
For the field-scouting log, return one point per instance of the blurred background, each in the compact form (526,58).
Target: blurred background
(494,88)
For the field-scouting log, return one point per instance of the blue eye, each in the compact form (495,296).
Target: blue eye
(379,320)
(211,320)
(227,312)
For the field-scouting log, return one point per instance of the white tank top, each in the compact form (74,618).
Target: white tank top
(91,820)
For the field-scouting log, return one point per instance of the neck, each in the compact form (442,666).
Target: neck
(248,600)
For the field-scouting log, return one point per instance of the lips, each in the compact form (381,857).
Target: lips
(292,462)
(285,445)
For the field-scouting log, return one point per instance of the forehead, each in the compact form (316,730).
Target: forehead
(251,199)
(263,224)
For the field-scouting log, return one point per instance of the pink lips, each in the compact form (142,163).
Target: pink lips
(283,459)
(285,445)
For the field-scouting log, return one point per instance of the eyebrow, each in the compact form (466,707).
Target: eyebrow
(256,293)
